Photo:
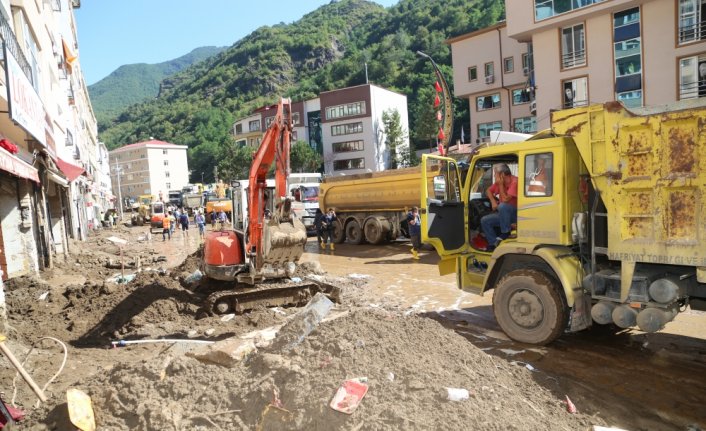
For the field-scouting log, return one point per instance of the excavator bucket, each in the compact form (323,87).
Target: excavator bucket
(283,242)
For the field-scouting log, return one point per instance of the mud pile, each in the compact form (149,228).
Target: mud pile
(408,361)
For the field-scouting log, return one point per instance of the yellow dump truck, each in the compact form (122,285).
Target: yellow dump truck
(371,207)
(611,221)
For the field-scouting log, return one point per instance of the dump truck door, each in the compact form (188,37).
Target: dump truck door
(443,209)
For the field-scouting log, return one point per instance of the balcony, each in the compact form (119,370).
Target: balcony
(573,59)
(690,31)
(13,47)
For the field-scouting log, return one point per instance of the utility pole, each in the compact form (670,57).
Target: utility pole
(118,171)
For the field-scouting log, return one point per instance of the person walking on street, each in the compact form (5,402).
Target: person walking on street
(172,224)
(223,218)
(184,222)
(166,227)
(214,218)
(414,224)
(318,219)
(200,221)
(327,225)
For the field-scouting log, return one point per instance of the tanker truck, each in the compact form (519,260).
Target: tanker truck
(611,221)
(371,207)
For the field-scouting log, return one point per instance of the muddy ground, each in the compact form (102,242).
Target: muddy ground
(408,331)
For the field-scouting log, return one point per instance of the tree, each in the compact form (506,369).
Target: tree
(235,163)
(303,158)
(395,137)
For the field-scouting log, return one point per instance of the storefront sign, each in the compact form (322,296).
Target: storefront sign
(15,166)
(25,106)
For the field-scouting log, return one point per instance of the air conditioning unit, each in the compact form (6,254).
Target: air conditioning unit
(525,71)
(490,79)
(533,107)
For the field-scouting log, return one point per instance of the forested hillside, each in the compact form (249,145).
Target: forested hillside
(324,50)
(134,83)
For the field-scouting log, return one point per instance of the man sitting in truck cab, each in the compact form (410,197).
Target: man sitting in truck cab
(503,200)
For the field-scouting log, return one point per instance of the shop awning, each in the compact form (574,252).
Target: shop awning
(69,169)
(17,167)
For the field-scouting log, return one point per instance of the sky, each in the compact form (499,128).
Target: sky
(112,33)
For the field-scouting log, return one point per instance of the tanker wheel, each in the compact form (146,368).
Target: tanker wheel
(529,307)
(339,234)
(353,232)
(373,231)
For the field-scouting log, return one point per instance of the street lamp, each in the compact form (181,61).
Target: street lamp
(201,177)
(119,171)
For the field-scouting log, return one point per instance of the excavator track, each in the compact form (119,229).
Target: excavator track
(271,293)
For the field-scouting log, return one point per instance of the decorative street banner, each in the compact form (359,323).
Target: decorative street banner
(25,106)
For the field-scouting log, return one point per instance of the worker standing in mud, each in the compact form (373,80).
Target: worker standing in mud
(327,226)
(415,231)
(184,222)
(166,226)
(200,221)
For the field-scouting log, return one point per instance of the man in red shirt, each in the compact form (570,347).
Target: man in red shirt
(503,200)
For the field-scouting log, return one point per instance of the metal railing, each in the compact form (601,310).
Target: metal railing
(574,58)
(13,46)
(691,32)
(691,90)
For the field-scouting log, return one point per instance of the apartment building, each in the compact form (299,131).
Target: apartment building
(149,168)
(248,130)
(641,52)
(492,71)
(344,126)
(44,115)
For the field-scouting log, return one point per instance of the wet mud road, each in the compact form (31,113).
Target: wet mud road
(633,380)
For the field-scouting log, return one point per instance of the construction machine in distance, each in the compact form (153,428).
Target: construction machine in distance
(144,210)
(260,258)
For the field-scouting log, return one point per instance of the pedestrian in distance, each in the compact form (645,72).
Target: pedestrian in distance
(166,227)
(414,226)
(214,218)
(318,219)
(184,222)
(223,218)
(172,223)
(200,221)
(327,227)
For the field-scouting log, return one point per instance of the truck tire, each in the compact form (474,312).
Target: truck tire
(529,307)
(374,232)
(353,232)
(339,234)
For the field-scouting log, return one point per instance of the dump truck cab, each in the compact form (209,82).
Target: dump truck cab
(608,222)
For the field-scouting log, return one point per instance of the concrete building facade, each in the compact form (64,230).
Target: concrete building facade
(47,187)
(492,71)
(640,52)
(149,168)
(345,126)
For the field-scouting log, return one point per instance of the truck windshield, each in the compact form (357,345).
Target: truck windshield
(309,194)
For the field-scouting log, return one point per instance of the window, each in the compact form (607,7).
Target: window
(489,69)
(520,96)
(628,57)
(31,51)
(525,124)
(692,77)
(347,110)
(575,92)
(295,118)
(342,165)
(692,22)
(254,126)
(544,9)
(538,174)
(166,174)
(346,129)
(269,121)
(169,186)
(472,73)
(485,128)
(509,65)
(343,147)
(573,46)
(525,64)
(164,152)
(294,136)
(488,102)
(241,143)
(166,163)
(70,140)
(238,129)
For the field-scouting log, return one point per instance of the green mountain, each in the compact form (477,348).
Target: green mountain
(134,83)
(324,50)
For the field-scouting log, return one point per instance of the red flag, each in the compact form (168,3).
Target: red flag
(437,87)
(437,101)
(442,150)
(442,136)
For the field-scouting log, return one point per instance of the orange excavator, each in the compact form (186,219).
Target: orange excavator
(261,259)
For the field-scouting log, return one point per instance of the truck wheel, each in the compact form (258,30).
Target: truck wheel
(353,232)
(529,307)
(374,233)
(339,234)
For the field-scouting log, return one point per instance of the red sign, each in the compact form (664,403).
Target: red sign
(15,166)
